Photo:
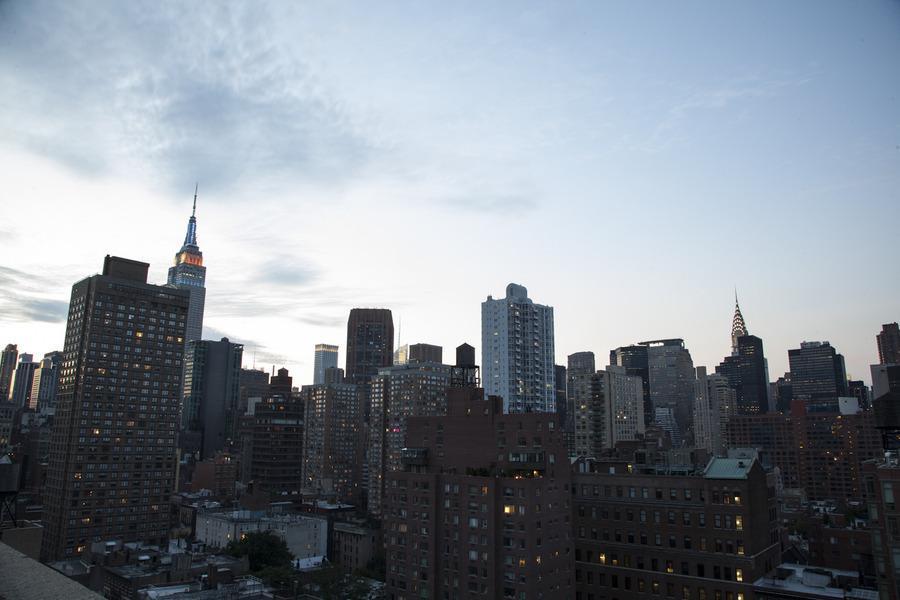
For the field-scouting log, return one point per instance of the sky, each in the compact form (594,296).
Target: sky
(631,164)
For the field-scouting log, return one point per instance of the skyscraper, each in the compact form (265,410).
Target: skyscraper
(635,360)
(580,370)
(7,366)
(212,376)
(46,381)
(818,374)
(332,453)
(397,393)
(112,452)
(714,406)
(188,273)
(326,358)
(746,367)
(672,384)
(22,381)
(370,343)
(889,344)
(517,352)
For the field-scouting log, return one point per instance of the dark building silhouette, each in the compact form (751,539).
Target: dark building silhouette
(254,383)
(370,343)
(636,363)
(889,344)
(562,409)
(7,365)
(784,393)
(481,506)
(818,375)
(212,374)
(746,374)
(272,441)
(860,391)
(112,451)
(282,384)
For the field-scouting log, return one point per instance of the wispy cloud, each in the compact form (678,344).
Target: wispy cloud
(194,92)
(23,299)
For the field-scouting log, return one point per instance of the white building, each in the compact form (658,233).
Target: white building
(714,404)
(305,536)
(626,403)
(517,352)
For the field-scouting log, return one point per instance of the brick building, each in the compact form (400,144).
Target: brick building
(482,506)
(702,536)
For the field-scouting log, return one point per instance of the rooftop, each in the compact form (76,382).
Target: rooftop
(728,468)
(23,578)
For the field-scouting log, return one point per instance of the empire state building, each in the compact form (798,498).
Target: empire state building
(188,273)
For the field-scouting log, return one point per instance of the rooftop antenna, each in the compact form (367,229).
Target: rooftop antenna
(399,329)
(196,188)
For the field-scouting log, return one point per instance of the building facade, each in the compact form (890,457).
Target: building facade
(889,344)
(818,374)
(272,442)
(636,359)
(23,381)
(517,351)
(46,382)
(408,353)
(188,273)
(745,371)
(714,405)
(702,536)
(481,508)
(326,358)
(672,384)
(397,394)
(332,452)
(370,343)
(211,395)
(7,365)
(112,452)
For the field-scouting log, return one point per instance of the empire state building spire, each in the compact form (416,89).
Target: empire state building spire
(738,327)
(189,273)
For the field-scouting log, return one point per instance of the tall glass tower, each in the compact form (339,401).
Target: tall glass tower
(188,273)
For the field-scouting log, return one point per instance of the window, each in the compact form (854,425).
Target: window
(739,523)
(739,575)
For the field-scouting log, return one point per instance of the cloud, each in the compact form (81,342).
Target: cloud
(195,92)
(500,205)
(23,298)
(285,271)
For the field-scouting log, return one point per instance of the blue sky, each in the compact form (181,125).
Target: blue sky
(630,164)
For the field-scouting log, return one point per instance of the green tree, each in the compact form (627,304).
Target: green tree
(263,549)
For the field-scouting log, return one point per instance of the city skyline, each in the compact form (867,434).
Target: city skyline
(597,157)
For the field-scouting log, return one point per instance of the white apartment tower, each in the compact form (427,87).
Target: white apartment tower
(517,352)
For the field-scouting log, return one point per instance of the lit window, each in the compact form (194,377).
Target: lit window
(738,574)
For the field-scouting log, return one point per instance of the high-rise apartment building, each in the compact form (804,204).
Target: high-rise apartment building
(481,507)
(714,405)
(608,409)
(580,369)
(254,383)
(882,483)
(46,381)
(818,375)
(22,381)
(370,343)
(272,439)
(889,344)
(112,452)
(672,384)
(332,452)
(708,535)
(396,394)
(408,353)
(212,376)
(188,273)
(326,358)
(517,351)
(7,365)
(635,359)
